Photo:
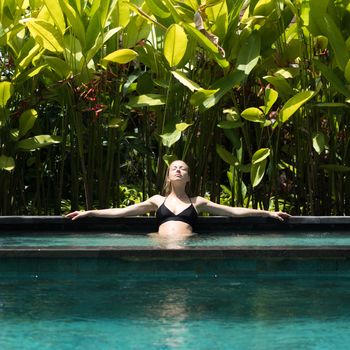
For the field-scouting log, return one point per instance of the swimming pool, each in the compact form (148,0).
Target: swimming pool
(112,304)
(240,289)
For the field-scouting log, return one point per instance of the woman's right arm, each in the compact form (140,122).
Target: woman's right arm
(147,206)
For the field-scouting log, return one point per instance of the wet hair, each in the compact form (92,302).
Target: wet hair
(167,183)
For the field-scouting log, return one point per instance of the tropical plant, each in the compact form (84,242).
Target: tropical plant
(254,95)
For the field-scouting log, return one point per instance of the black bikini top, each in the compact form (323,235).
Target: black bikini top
(188,215)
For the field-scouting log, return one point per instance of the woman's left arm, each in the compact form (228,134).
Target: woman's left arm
(210,207)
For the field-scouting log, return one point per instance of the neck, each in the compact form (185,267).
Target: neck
(178,191)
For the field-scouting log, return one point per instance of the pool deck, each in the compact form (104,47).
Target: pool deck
(21,225)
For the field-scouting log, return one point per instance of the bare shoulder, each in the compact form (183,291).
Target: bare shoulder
(199,202)
(156,200)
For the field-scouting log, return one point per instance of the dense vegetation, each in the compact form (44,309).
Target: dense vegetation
(97,96)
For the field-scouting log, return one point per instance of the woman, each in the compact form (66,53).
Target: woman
(176,212)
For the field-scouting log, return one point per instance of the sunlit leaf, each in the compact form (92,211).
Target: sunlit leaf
(182,126)
(158,8)
(293,104)
(207,44)
(253,115)
(264,8)
(56,13)
(271,96)
(26,121)
(222,86)
(36,142)
(7,163)
(121,56)
(184,80)
(46,35)
(6,91)
(347,71)
(146,100)
(281,85)
(74,20)
(175,44)
(170,138)
(318,142)
(249,54)
(200,96)
(257,172)
(260,155)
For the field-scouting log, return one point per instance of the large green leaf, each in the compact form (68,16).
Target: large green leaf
(29,51)
(327,25)
(36,142)
(281,85)
(100,41)
(249,54)
(347,71)
(46,35)
(7,163)
(121,56)
(293,104)
(146,100)
(270,98)
(202,95)
(318,142)
(6,91)
(219,89)
(170,138)
(260,155)
(226,156)
(173,11)
(75,21)
(207,44)
(26,121)
(264,8)
(158,8)
(59,66)
(218,15)
(56,13)
(259,161)
(253,115)
(331,76)
(175,44)
(28,74)
(121,14)
(137,29)
(184,80)
(257,172)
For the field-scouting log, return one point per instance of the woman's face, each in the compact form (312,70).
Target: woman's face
(178,171)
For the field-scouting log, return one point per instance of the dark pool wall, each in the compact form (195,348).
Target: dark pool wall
(143,225)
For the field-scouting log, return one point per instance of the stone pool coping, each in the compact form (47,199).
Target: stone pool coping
(146,224)
(213,225)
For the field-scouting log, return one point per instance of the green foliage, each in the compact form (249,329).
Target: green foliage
(255,99)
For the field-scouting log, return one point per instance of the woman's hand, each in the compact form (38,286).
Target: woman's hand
(279,215)
(77,215)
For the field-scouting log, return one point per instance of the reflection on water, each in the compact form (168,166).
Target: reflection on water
(105,311)
(177,241)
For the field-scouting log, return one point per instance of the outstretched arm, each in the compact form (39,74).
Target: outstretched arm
(135,209)
(210,207)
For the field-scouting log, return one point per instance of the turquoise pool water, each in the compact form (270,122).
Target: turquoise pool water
(124,240)
(57,310)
